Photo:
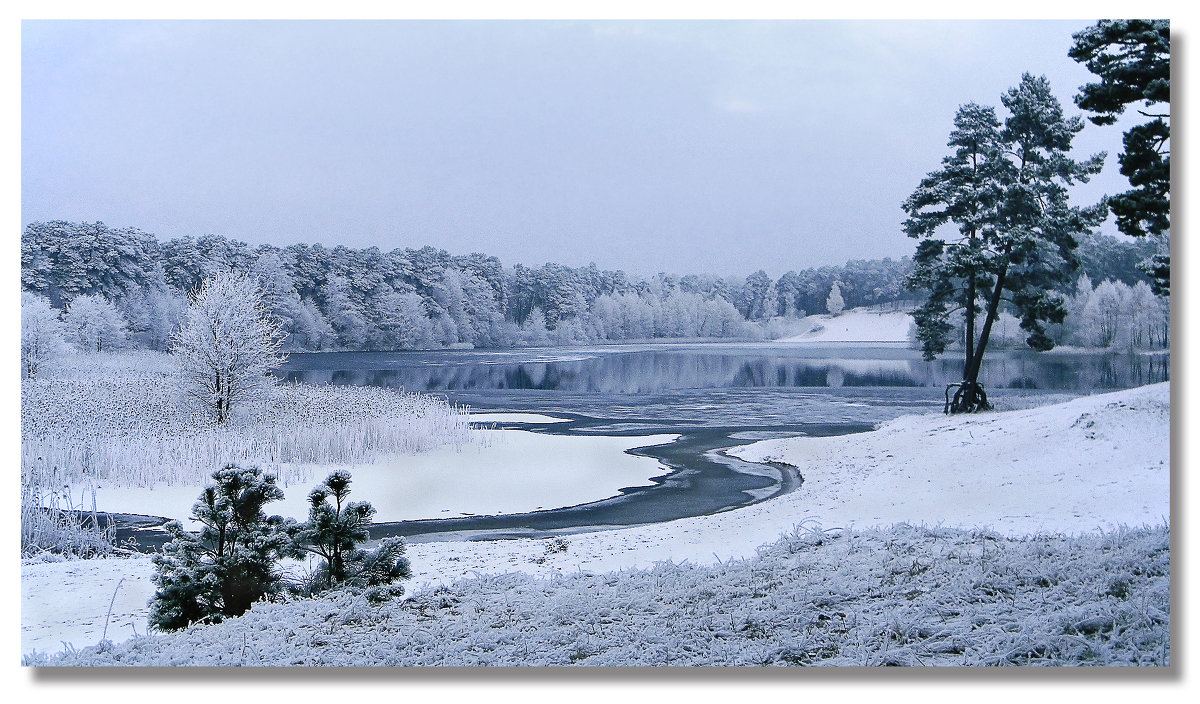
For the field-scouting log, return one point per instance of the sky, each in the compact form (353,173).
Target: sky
(684,147)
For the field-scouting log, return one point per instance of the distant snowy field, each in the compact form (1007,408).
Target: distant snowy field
(856,325)
(1097,462)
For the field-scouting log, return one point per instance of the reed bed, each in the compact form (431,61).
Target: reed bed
(120,421)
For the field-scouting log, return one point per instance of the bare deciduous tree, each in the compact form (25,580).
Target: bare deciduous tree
(41,333)
(227,346)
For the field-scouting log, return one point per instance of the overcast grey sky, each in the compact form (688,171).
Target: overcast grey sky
(647,146)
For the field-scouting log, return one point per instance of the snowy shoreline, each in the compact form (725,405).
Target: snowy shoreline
(1096,462)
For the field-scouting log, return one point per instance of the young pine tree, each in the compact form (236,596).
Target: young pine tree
(835,304)
(335,529)
(231,563)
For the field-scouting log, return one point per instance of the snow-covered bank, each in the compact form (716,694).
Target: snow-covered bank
(902,596)
(857,325)
(507,471)
(65,605)
(526,418)
(1095,462)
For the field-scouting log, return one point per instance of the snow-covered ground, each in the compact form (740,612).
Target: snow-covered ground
(856,325)
(1094,462)
(508,471)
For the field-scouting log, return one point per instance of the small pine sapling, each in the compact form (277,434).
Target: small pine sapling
(335,530)
(231,563)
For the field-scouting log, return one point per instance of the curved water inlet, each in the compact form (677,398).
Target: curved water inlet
(701,480)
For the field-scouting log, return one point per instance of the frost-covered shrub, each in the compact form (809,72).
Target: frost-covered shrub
(334,530)
(231,563)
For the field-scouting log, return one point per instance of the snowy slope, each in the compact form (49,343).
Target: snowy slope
(1094,462)
(856,325)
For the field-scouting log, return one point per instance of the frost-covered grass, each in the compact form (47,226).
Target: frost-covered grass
(52,522)
(118,419)
(898,596)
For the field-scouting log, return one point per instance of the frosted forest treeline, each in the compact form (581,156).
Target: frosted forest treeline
(345,298)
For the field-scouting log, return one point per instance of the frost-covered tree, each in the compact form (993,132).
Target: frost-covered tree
(533,330)
(1006,190)
(94,324)
(153,312)
(335,529)
(403,323)
(231,563)
(1148,318)
(227,346)
(835,304)
(343,314)
(279,296)
(312,331)
(1102,316)
(41,333)
(754,296)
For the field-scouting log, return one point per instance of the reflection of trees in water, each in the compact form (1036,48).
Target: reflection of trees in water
(651,371)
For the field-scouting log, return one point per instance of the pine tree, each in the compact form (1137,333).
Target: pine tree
(335,530)
(1006,189)
(231,563)
(835,304)
(1132,58)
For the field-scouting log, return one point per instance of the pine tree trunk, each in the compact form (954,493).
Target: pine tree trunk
(970,396)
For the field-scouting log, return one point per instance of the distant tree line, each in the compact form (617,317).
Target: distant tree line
(118,286)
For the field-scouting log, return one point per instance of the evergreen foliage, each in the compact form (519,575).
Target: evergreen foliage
(334,530)
(231,563)
(1132,59)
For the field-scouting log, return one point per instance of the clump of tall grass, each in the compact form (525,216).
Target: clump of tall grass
(51,522)
(120,421)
